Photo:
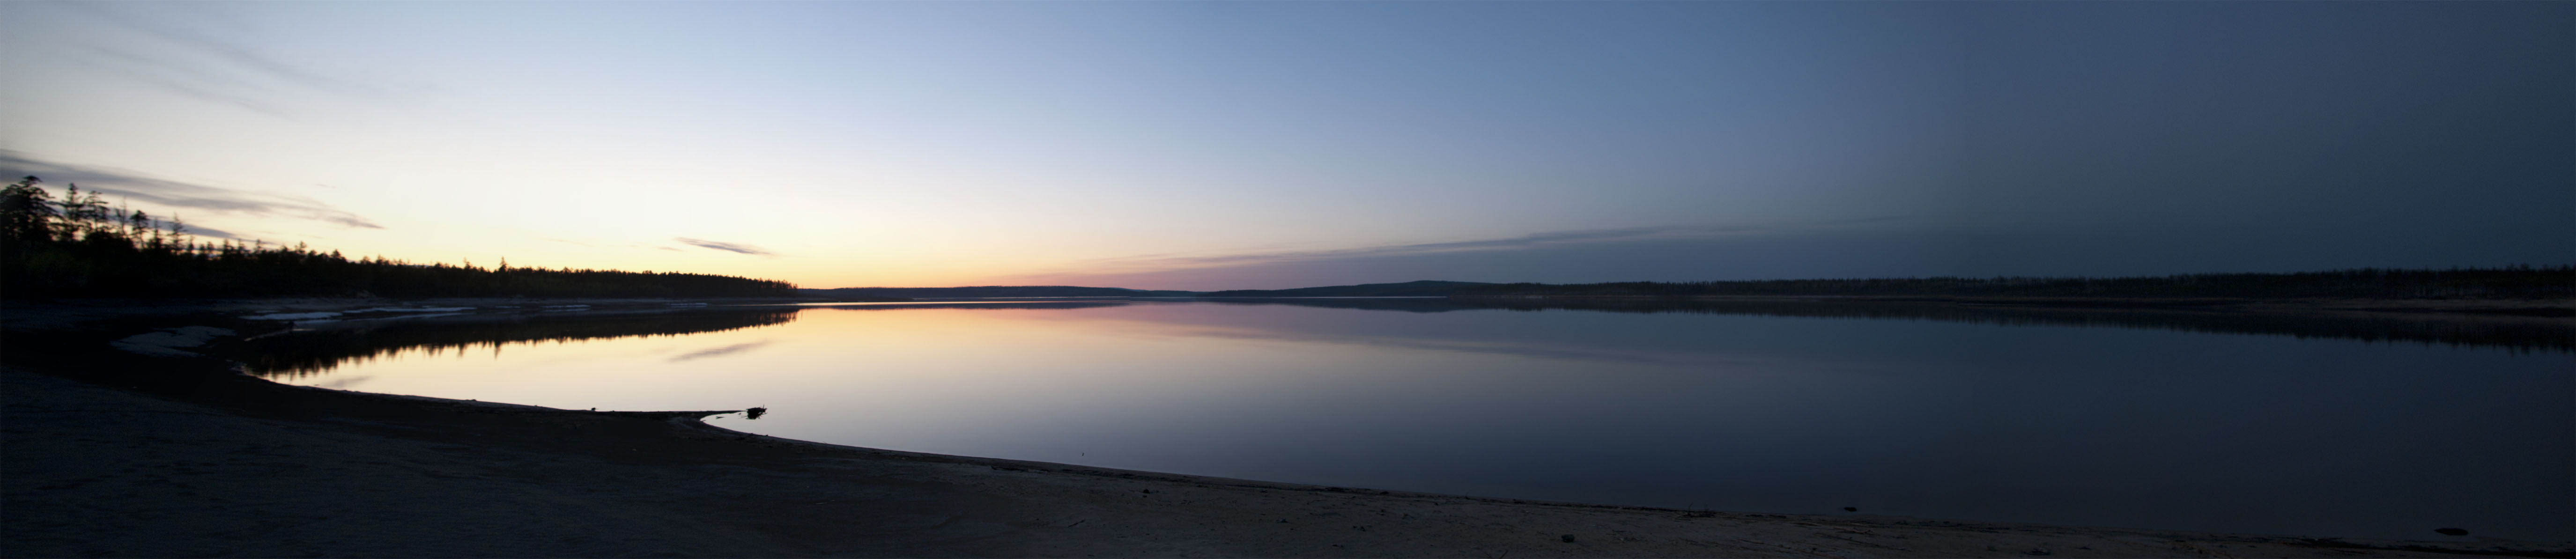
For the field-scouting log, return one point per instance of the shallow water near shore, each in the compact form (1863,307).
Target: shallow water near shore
(2020,421)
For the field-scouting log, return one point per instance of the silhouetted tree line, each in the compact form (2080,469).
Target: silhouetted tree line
(80,247)
(318,350)
(2517,282)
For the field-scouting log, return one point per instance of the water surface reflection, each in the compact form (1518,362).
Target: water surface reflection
(2498,330)
(1781,409)
(321,346)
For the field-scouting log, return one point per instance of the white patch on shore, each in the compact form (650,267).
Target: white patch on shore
(344,383)
(165,343)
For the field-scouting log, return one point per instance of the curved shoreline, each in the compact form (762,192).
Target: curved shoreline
(178,456)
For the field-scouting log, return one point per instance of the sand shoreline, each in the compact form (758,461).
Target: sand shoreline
(116,453)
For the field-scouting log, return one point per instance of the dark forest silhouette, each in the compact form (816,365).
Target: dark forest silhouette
(80,247)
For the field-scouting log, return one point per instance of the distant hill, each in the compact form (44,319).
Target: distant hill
(1424,288)
(2517,282)
(992,291)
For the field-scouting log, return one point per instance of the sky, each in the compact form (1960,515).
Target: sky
(1251,145)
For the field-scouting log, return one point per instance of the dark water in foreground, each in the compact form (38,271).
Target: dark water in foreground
(2319,428)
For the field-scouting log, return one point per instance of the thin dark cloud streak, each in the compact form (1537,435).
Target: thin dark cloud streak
(198,41)
(176,194)
(725,246)
(1521,242)
(207,61)
(188,81)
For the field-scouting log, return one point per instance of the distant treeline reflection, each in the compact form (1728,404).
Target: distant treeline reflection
(310,352)
(2516,332)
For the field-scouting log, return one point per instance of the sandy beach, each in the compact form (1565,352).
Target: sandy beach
(115,452)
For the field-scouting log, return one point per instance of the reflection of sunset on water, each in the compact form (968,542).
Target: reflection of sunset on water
(1767,407)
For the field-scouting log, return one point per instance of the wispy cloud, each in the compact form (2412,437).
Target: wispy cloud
(1668,252)
(1549,238)
(192,58)
(175,194)
(725,246)
(186,81)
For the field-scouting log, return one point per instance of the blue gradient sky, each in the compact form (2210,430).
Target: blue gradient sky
(1206,145)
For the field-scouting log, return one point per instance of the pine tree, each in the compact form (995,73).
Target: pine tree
(27,212)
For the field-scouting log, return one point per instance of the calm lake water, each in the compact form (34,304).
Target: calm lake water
(2176,421)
